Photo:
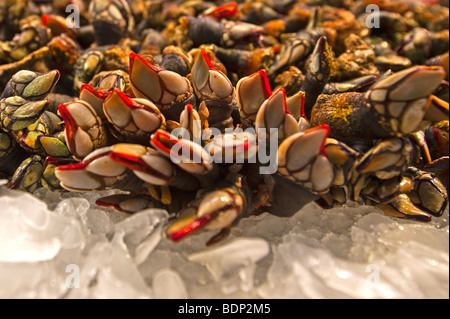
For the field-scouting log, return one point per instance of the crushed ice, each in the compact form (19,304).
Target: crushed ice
(60,245)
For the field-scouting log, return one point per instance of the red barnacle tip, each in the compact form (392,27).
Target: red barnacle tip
(72,167)
(54,22)
(127,160)
(65,114)
(125,98)
(265,83)
(133,57)
(163,141)
(189,228)
(302,108)
(45,19)
(87,87)
(327,129)
(67,118)
(283,91)
(208,61)
(246,145)
(103,203)
(70,125)
(102,94)
(61,108)
(189,107)
(57,25)
(50,160)
(224,11)
(180,234)
(54,161)
(57,76)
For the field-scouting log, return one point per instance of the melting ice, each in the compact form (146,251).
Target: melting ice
(60,245)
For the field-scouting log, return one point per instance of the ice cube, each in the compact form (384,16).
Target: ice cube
(109,273)
(44,279)
(29,232)
(233,262)
(73,207)
(98,222)
(370,221)
(167,284)
(300,271)
(142,232)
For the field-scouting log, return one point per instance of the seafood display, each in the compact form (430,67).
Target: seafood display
(217,110)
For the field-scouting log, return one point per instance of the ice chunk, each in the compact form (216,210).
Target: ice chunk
(225,258)
(300,271)
(364,235)
(142,232)
(17,250)
(29,232)
(370,221)
(418,271)
(264,226)
(339,245)
(398,235)
(98,222)
(109,273)
(167,284)
(73,207)
(233,262)
(44,279)
(353,251)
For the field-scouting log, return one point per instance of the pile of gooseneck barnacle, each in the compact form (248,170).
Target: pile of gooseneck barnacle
(217,110)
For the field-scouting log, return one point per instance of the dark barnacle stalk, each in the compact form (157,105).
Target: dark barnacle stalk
(33,35)
(111,19)
(245,62)
(319,70)
(10,154)
(227,33)
(420,44)
(295,48)
(176,60)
